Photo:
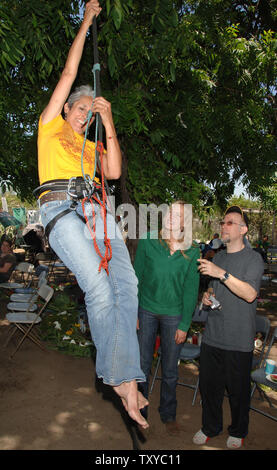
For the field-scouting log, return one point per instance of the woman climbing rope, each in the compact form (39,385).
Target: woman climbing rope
(110,293)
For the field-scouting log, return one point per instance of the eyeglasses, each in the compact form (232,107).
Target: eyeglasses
(229,223)
(238,210)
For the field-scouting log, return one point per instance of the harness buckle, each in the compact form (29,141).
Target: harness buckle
(80,188)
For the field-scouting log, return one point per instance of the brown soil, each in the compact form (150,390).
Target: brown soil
(51,401)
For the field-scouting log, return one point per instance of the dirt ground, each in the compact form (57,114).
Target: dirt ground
(53,401)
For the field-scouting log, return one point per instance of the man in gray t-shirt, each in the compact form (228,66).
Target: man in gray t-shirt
(233,327)
(228,340)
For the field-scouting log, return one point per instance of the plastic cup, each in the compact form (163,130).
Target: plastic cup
(270,366)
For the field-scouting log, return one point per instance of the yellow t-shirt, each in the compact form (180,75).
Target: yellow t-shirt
(60,150)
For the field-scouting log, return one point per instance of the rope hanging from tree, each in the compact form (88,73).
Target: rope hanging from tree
(98,160)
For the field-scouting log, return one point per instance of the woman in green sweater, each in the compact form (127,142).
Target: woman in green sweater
(166,267)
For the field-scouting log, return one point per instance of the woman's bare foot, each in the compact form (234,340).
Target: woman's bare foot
(133,401)
(142,401)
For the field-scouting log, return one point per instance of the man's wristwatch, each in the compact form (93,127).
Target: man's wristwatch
(225,277)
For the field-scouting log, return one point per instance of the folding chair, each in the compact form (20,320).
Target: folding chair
(27,294)
(263,327)
(26,272)
(26,302)
(259,377)
(25,322)
(57,268)
(189,353)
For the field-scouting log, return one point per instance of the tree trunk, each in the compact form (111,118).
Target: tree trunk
(125,197)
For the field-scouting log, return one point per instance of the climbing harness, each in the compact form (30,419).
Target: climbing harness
(84,188)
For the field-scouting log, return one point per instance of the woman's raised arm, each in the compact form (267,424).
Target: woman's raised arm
(69,73)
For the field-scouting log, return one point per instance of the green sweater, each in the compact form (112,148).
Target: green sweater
(168,284)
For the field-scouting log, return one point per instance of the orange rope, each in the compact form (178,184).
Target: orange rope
(108,251)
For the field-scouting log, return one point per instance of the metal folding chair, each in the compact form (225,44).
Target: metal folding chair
(29,294)
(263,327)
(259,377)
(58,270)
(25,272)
(25,321)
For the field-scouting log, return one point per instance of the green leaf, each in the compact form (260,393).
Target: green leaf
(117,15)
(174,18)
(173,72)
(108,6)
(112,64)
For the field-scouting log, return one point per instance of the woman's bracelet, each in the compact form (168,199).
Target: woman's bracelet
(111,137)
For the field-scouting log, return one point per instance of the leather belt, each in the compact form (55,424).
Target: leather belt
(53,196)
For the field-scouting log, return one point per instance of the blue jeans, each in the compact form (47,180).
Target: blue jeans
(148,328)
(111,300)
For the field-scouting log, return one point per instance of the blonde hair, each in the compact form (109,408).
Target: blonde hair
(167,240)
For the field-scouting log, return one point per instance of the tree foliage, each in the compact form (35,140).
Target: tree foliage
(30,63)
(268,196)
(192,86)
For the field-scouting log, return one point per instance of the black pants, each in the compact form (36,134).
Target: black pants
(222,370)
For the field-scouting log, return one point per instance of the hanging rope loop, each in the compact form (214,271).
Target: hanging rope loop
(99,152)
(103,210)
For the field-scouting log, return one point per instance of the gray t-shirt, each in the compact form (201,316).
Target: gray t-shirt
(234,326)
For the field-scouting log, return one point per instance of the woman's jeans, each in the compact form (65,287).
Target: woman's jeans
(148,328)
(111,300)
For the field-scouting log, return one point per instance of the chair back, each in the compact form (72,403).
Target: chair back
(273,338)
(24,267)
(262,325)
(42,279)
(46,292)
(259,378)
